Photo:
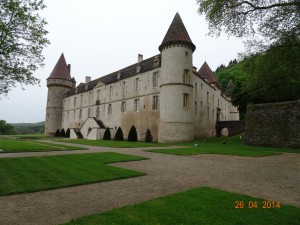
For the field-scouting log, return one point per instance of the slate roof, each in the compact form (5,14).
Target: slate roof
(177,34)
(60,70)
(145,65)
(206,73)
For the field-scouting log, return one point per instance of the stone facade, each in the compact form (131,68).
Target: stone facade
(274,124)
(164,93)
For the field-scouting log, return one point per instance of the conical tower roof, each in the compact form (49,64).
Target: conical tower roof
(177,33)
(206,73)
(61,70)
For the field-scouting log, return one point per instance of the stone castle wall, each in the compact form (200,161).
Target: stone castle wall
(275,124)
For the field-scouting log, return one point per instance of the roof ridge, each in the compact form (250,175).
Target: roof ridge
(61,69)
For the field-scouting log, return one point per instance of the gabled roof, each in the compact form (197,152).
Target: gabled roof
(206,73)
(177,33)
(61,70)
(145,65)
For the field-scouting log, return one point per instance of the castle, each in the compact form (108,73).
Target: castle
(164,93)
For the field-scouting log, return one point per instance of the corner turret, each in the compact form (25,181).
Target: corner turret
(58,83)
(176,89)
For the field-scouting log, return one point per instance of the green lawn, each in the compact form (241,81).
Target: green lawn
(14,145)
(234,146)
(203,206)
(114,144)
(30,174)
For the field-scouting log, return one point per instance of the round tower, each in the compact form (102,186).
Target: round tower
(176,89)
(58,83)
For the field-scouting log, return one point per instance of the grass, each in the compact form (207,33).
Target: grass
(234,146)
(114,144)
(203,206)
(30,174)
(14,145)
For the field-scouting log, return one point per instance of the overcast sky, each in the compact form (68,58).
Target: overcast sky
(100,37)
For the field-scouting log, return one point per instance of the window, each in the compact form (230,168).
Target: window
(80,113)
(123,88)
(81,100)
(123,107)
(155,79)
(196,105)
(207,97)
(155,103)
(47,117)
(109,109)
(110,91)
(186,77)
(89,112)
(185,100)
(97,113)
(201,86)
(136,105)
(75,102)
(136,84)
(196,89)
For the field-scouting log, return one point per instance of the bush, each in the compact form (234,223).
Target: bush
(68,133)
(119,135)
(107,135)
(63,133)
(149,137)
(132,136)
(57,133)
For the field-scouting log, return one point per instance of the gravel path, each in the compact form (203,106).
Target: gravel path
(272,178)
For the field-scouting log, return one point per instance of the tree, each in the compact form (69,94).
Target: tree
(22,39)
(132,135)
(119,135)
(271,70)
(270,18)
(68,133)
(107,135)
(63,133)
(57,133)
(6,129)
(148,137)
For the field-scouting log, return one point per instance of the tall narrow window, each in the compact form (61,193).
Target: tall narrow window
(196,89)
(97,113)
(186,77)
(185,100)
(89,112)
(207,97)
(123,88)
(155,79)
(196,105)
(109,109)
(123,107)
(155,103)
(136,105)
(75,102)
(110,91)
(136,84)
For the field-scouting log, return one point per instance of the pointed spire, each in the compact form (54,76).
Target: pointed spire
(177,33)
(61,70)
(206,73)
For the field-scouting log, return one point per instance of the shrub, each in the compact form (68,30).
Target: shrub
(57,133)
(119,135)
(68,133)
(132,136)
(107,135)
(63,133)
(148,137)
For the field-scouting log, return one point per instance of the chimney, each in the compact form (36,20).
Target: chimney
(69,68)
(140,58)
(87,79)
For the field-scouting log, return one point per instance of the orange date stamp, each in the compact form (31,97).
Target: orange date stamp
(257,204)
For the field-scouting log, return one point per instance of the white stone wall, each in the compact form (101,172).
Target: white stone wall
(198,120)
(112,94)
